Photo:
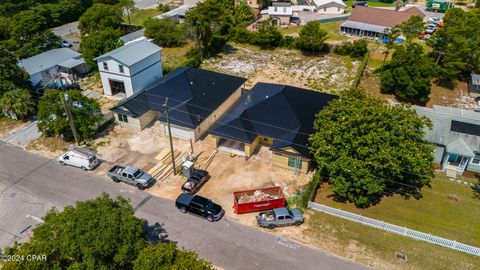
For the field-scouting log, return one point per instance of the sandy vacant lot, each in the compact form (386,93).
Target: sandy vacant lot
(329,73)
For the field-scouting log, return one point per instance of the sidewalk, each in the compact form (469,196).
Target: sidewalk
(24,136)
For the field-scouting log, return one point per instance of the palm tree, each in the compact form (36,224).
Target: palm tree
(17,103)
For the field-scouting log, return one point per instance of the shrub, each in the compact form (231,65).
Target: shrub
(163,8)
(359,48)
(343,49)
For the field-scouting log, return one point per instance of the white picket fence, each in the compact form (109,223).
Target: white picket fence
(396,229)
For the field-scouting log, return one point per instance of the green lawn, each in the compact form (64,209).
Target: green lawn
(141,15)
(331,27)
(371,4)
(174,57)
(447,209)
(377,248)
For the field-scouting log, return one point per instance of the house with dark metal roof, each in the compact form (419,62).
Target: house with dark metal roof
(277,116)
(55,68)
(474,85)
(196,98)
(456,133)
(374,22)
(130,68)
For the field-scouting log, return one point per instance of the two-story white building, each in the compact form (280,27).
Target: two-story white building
(130,68)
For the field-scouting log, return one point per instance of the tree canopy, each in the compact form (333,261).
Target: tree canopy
(102,233)
(165,32)
(99,17)
(167,256)
(16,103)
(210,24)
(409,74)
(268,36)
(412,28)
(312,38)
(99,43)
(367,148)
(455,46)
(52,120)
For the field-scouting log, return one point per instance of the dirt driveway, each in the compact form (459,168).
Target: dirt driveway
(228,174)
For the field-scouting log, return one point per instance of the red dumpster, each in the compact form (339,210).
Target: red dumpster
(258,199)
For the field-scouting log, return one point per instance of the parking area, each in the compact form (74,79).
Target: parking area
(228,172)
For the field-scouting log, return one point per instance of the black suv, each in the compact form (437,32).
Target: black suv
(199,206)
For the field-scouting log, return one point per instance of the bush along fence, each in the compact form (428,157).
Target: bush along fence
(360,71)
(396,229)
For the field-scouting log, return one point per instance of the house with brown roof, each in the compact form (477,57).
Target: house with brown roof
(374,22)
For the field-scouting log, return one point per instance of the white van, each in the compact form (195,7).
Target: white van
(79,157)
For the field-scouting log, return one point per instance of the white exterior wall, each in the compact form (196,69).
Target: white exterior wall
(113,67)
(135,77)
(121,78)
(331,10)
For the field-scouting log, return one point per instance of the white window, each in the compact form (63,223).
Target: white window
(338,9)
(120,68)
(105,66)
(476,159)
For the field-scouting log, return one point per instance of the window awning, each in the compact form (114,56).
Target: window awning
(71,63)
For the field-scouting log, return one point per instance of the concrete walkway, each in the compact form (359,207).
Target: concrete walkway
(24,136)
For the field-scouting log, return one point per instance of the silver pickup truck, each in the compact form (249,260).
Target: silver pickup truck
(130,175)
(280,217)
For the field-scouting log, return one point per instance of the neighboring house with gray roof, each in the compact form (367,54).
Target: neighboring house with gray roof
(456,133)
(130,68)
(54,66)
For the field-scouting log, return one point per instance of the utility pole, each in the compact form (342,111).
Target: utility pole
(69,116)
(170,136)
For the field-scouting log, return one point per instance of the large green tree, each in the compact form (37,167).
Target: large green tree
(167,256)
(16,103)
(312,38)
(412,27)
(409,74)
(97,234)
(367,148)
(268,36)
(10,72)
(165,32)
(102,233)
(455,46)
(99,17)
(99,43)
(52,120)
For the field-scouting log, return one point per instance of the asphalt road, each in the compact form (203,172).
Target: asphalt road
(32,185)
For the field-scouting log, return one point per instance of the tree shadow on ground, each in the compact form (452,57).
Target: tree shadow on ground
(155,233)
(229,49)
(406,192)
